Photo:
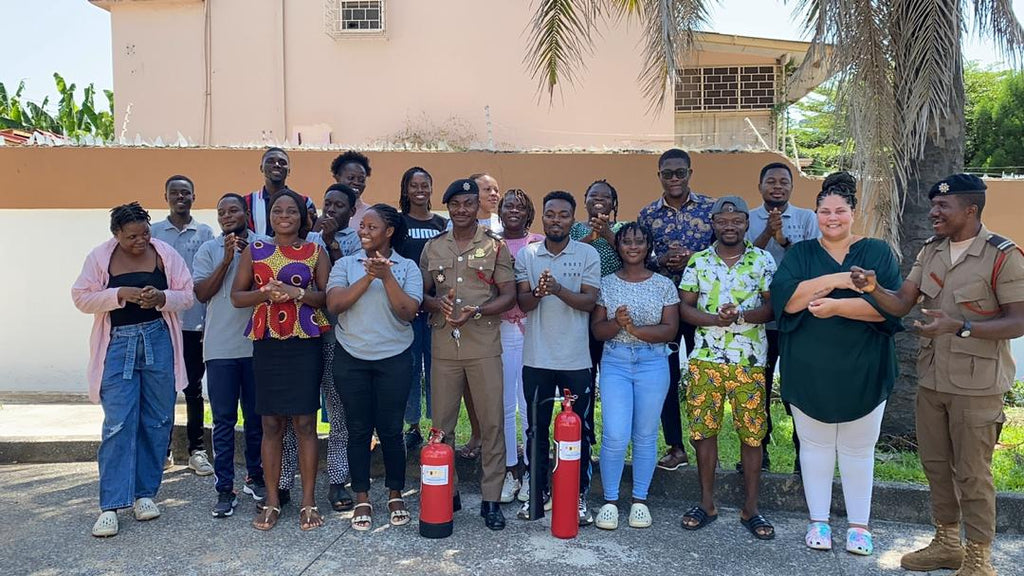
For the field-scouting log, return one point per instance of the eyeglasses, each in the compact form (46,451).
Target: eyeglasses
(680,173)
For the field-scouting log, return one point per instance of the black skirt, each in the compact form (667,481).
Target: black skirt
(287,375)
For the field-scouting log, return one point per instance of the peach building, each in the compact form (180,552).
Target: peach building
(367,73)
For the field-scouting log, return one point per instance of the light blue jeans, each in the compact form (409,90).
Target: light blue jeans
(137,394)
(634,381)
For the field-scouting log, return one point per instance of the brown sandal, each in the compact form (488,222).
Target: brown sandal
(468,452)
(310,518)
(267,518)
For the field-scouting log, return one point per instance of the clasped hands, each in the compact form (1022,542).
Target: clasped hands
(455,318)
(148,297)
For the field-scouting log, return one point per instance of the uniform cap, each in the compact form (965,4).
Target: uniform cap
(957,184)
(461,186)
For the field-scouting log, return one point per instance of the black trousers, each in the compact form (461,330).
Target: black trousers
(540,384)
(195,369)
(671,420)
(374,394)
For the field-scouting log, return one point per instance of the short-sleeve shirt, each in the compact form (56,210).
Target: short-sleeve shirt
(964,291)
(742,284)
(370,329)
(646,300)
(474,273)
(798,224)
(186,242)
(556,335)
(610,261)
(224,335)
(690,226)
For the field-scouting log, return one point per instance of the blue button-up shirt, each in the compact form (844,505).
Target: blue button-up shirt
(690,226)
(186,242)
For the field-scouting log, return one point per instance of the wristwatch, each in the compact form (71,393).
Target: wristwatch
(739,316)
(965,330)
(302,294)
(479,313)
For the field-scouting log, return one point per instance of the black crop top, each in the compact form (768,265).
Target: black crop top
(132,313)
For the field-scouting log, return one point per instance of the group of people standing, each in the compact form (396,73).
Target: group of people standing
(364,310)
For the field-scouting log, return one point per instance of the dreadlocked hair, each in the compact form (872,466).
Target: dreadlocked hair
(840,184)
(403,191)
(635,228)
(615,195)
(519,194)
(121,216)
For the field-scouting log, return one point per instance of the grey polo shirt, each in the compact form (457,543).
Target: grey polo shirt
(556,334)
(225,337)
(798,224)
(370,330)
(186,242)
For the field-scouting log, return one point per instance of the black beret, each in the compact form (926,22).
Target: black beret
(461,186)
(957,184)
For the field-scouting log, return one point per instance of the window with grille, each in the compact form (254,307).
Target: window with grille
(715,88)
(345,17)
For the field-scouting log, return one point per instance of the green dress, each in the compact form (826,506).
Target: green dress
(835,369)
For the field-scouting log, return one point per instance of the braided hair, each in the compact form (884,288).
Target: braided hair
(520,195)
(392,219)
(121,216)
(615,195)
(635,228)
(403,191)
(840,184)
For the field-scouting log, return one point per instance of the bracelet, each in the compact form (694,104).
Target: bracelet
(869,289)
(302,294)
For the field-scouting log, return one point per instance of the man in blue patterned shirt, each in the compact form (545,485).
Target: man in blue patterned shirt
(680,222)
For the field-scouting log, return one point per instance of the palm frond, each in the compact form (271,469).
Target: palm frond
(668,35)
(561,35)
(995,19)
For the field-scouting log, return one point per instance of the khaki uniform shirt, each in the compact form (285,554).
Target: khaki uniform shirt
(474,273)
(964,290)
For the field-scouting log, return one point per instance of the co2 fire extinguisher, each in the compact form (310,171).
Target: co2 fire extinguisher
(437,466)
(565,478)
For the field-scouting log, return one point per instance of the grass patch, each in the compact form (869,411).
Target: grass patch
(891,466)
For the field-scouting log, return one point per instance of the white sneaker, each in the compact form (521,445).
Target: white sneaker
(639,516)
(200,463)
(586,519)
(607,517)
(509,488)
(168,463)
(524,488)
(106,525)
(145,509)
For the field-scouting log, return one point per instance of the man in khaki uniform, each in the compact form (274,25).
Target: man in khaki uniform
(971,286)
(467,283)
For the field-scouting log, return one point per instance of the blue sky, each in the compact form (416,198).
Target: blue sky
(73,37)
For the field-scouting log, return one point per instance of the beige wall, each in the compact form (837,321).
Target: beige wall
(442,60)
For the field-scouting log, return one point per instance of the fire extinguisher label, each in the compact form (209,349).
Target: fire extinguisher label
(435,475)
(569,450)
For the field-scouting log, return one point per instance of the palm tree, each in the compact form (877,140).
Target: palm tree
(899,66)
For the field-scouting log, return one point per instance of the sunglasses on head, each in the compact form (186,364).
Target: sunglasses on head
(680,173)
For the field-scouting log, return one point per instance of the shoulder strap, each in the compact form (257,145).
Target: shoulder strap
(1001,243)
(1005,246)
(932,239)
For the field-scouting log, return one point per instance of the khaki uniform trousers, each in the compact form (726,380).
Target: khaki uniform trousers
(483,377)
(957,435)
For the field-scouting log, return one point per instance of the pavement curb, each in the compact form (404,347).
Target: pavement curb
(892,501)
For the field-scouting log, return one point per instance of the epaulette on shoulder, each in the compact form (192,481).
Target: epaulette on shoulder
(932,239)
(493,234)
(1001,243)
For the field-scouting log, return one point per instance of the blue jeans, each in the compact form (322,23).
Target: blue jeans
(634,381)
(420,369)
(228,383)
(137,394)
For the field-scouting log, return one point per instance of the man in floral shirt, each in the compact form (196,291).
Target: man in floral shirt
(680,222)
(724,292)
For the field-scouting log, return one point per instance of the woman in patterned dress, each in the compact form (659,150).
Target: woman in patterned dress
(284,279)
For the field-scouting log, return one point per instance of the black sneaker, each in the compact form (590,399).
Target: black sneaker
(226,502)
(256,488)
(413,439)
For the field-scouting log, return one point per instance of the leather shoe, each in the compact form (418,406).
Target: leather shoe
(456,502)
(493,518)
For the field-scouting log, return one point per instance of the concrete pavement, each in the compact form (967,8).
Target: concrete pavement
(49,510)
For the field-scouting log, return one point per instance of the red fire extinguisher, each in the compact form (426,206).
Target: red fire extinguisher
(565,478)
(437,466)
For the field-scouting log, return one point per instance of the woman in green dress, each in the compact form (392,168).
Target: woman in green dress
(838,360)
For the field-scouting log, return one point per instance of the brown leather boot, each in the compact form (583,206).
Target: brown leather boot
(977,561)
(944,551)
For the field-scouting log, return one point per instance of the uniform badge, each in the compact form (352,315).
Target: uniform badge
(440,275)
(944,188)
(479,253)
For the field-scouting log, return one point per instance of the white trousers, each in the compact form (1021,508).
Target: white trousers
(513,399)
(854,442)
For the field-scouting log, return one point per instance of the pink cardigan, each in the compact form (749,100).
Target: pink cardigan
(91,295)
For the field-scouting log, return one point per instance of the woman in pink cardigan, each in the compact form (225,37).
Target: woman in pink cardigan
(134,286)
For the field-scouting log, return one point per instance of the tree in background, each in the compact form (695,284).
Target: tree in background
(819,132)
(73,118)
(995,121)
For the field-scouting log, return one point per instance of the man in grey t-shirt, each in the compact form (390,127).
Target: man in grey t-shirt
(558,282)
(775,226)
